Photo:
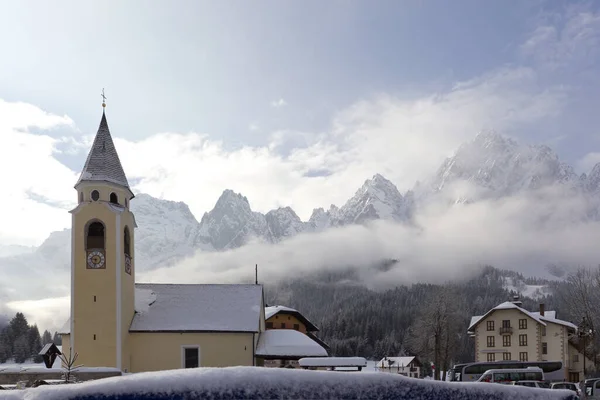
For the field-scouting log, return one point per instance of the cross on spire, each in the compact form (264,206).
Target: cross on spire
(103,98)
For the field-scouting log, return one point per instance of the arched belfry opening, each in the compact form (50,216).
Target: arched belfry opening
(94,238)
(113,198)
(127,242)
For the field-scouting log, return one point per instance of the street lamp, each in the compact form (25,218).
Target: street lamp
(584,330)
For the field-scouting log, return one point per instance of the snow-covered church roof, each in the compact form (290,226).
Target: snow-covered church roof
(195,308)
(103,162)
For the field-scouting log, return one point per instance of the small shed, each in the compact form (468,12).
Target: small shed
(49,353)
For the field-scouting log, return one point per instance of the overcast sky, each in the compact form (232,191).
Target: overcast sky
(289,103)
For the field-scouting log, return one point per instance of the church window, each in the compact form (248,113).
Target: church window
(191,357)
(113,198)
(126,205)
(81,197)
(95,236)
(95,195)
(127,242)
(269,325)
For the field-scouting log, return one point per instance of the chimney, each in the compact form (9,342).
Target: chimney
(517,301)
(542,309)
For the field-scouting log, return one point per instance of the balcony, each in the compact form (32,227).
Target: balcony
(506,330)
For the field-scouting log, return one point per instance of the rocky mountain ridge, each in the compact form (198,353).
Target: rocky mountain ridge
(494,165)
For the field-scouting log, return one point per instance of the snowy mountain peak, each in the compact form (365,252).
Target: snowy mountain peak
(378,198)
(283,222)
(593,179)
(500,166)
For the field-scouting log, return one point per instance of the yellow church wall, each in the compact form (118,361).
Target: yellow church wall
(155,351)
(65,344)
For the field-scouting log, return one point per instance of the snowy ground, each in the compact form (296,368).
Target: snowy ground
(265,383)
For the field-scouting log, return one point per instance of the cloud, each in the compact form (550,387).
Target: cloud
(569,38)
(50,313)
(34,200)
(405,140)
(525,232)
(589,161)
(278,103)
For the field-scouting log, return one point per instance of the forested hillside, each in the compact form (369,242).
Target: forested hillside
(355,320)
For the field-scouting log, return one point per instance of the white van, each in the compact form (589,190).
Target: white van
(509,375)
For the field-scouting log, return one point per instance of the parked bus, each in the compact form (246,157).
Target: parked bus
(470,372)
(508,375)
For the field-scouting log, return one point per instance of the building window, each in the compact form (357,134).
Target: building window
(126,204)
(191,357)
(113,198)
(490,325)
(543,330)
(523,356)
(506,323)
(506,341)
(127,242)
(575,357)
(95,236)
(506,357)
(491,342)
(522,324)
(522,340)
(81,197)
(283,325)
(297,327)
(269,325)
(491,357)
(544,348)
(95,195)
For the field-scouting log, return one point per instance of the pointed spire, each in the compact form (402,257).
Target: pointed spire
(103,162)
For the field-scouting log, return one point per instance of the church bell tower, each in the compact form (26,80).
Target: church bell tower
(102,261)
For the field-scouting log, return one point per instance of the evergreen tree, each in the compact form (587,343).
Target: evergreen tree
(57,339)
(46,337)
(35,344)
(5,346)
(22,350)
(18,327)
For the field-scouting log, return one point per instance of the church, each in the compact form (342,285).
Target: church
(118,323)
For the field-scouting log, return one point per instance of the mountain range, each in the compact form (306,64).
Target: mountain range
(494,167)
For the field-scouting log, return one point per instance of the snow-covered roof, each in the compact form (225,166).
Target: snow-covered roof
(550,316)
(103,162)
(333,362)
(387,362)
(507,305)
(270,311)
(197,308)
(288,343)
(66,328)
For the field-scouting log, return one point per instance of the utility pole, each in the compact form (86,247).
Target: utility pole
(256,274)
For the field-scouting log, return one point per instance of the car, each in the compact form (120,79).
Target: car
(566,385)
(536,384)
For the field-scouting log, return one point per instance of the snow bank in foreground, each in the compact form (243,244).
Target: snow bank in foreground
(263,383)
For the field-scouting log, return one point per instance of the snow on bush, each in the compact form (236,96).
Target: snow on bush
(264,383)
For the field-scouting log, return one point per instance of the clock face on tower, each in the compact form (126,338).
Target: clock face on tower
(95,259)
